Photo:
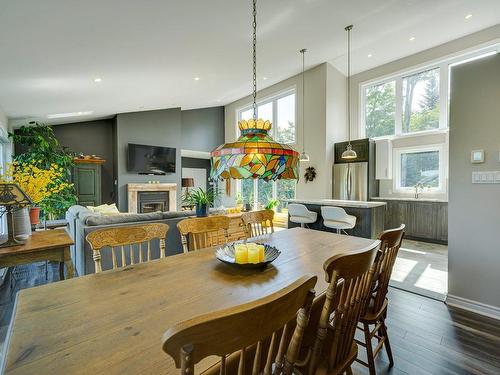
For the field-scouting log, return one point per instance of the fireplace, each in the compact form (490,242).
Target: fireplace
(152,197)
(152,201)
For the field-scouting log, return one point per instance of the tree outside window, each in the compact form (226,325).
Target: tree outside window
(380,109)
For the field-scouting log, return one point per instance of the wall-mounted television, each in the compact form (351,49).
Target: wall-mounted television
(145,159)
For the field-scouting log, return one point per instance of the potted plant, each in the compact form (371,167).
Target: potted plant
(201,199)
(272,204)
(39,183)
(40,148)
(239,201)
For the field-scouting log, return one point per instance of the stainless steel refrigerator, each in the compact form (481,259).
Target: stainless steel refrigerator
(355,179)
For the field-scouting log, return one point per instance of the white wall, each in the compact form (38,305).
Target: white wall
(474,209)
(3,120)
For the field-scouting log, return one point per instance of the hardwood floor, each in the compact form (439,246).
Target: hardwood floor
(427,337)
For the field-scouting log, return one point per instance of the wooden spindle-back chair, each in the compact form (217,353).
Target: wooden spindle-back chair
(126,239)
(258,223)
(350,279)
(253,338)
(376,310)
(198,233)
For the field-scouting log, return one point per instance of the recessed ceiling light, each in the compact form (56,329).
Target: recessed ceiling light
(469,16)
(412,38)
(97,80)
(70,114)
(370,55)
(264,78)
(196,78)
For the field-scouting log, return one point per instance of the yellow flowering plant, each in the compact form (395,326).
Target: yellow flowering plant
(38,183)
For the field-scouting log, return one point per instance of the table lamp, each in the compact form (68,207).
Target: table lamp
(12,197)
(187,183)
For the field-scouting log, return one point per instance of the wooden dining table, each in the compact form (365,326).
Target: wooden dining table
(113,322)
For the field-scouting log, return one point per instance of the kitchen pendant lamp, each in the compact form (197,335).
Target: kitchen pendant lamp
(303,155)
(349,153)
(255,154)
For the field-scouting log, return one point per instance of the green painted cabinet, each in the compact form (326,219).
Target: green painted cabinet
(87,181)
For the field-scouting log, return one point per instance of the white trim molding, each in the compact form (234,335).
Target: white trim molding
(473,306)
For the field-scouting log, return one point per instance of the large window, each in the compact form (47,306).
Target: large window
(409,103)
(280,110)
(422,167)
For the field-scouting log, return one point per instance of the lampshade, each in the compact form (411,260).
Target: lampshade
(255,155)
(349,153)
(187,182)
(13,195)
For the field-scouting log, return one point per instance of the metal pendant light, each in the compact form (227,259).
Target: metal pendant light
(303,155)
(349,153)
(255,154)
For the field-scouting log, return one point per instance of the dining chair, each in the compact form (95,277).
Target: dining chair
(350,278)
(376,311)
(258,223)
(198,233)
(252,338)
(121,239)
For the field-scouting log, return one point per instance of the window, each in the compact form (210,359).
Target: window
(380,109)
(409,103)
(421,166)
(280,110)
(421,101)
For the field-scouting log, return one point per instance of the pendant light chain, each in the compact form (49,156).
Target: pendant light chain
(303,51)
(348,29)
(254,105)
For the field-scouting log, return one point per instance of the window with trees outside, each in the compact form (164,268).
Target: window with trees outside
(419,166)
(405,104)
(280,110)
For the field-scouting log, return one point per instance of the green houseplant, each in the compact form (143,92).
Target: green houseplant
(36,144)
(200,198)
(272,204)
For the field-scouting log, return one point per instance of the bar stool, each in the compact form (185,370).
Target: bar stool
(337,218)
(301,215)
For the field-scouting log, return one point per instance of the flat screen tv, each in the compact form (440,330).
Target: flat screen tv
(144,159)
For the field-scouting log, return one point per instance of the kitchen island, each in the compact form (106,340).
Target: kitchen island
(370,216)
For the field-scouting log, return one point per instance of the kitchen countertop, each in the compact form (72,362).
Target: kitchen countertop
(336,202)
(410,199)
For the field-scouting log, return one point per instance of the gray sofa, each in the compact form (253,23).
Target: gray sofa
(82,221)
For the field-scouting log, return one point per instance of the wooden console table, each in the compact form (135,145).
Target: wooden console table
(41,246)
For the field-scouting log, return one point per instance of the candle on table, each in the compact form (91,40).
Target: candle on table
(253,254)
(240,253)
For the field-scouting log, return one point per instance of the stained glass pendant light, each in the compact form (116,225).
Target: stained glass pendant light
(303,155)
(255,154)
(349,153)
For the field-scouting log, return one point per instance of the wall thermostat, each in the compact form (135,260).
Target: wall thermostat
(477,156)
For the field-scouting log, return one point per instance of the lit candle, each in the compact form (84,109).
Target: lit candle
(240,253)
(262,252)
(253,254)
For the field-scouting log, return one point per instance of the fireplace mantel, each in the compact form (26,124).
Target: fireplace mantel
(133,189)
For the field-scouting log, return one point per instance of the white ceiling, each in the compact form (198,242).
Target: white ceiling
(148,52)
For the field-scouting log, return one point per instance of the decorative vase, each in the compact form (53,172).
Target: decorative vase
(22,224)
(201,210)
(248,207)
(35,215)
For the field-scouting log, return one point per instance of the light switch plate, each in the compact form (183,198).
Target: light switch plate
(477,156)
(486,177)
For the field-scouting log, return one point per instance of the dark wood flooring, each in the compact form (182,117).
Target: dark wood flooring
(427,337)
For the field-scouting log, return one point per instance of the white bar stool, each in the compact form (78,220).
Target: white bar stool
(337,218)
(301,215)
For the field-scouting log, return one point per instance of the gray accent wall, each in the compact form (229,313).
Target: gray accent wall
(201,128)
(92,138)
(156,128)
(474,209)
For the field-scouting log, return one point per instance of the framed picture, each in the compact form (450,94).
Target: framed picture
(477,156)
